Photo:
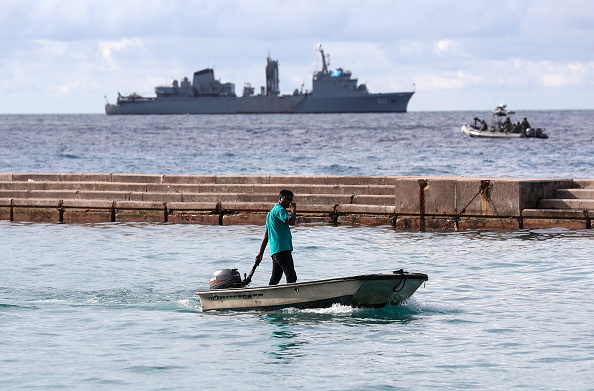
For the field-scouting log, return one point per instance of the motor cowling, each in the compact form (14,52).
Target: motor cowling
(225,278)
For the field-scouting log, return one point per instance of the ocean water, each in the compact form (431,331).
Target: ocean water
(426,144)
(112,306)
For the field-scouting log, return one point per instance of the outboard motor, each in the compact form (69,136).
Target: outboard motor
(225,278)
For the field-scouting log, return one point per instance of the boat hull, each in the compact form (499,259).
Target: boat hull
(474,132)
(372,290)
(306,103)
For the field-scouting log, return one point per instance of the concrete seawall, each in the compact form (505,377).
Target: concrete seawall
(417,203)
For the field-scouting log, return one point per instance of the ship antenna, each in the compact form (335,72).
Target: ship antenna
(324,66)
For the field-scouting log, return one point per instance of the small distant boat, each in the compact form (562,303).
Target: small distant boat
(502,127)
(370,290)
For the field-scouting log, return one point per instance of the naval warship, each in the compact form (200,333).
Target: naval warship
(333,91)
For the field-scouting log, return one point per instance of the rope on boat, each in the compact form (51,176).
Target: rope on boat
(400,285)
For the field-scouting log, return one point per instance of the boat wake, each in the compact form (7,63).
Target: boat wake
(415,305)
(405,311)
(335,309)
(189,304)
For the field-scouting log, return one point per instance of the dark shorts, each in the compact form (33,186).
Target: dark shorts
(282,263)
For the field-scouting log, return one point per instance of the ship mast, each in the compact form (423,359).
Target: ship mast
(272,82)
(324,66)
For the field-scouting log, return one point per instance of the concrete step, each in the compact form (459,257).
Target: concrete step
(65,194)
(566,203)
(406,202)
(197,188)
(584,183)
(60,185)
(269,198)
(575,193)
(201,179)
(215,207)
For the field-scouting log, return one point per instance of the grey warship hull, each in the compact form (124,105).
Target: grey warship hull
(332,92)
(372,103)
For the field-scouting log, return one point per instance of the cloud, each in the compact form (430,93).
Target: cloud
(514,73)
(446,80)
(83,50)
(575,74)
(108,49)
(448,46)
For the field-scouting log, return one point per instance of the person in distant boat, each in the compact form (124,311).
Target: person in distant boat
(480,123)
(278,233)
(518,127)
(507,125)
(525,124)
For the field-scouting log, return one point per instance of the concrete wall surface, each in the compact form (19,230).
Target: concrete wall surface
(440,203)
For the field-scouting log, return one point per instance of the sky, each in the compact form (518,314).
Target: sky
(71,56)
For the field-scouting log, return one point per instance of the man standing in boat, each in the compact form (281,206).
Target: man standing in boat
(278,233)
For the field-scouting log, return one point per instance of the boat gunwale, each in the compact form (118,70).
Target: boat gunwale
(363,277)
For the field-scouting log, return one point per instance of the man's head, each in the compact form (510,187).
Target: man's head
(285,198)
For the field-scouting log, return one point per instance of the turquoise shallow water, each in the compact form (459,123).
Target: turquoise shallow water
(111,306)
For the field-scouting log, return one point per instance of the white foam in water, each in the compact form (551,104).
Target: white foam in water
(411,304)
(415,305)
(336,309)
(189,304)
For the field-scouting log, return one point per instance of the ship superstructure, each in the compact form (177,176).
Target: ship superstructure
(332,92)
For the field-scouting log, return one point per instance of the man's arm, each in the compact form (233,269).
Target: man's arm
(293,216)
(262,247)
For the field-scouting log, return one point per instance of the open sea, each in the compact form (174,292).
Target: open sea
(112,306)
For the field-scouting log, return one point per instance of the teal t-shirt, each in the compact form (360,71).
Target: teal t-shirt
(279,232)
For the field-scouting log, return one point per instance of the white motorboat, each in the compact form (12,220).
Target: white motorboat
(502,127)
(370,290)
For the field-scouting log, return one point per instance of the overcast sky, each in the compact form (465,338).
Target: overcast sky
(66,56)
